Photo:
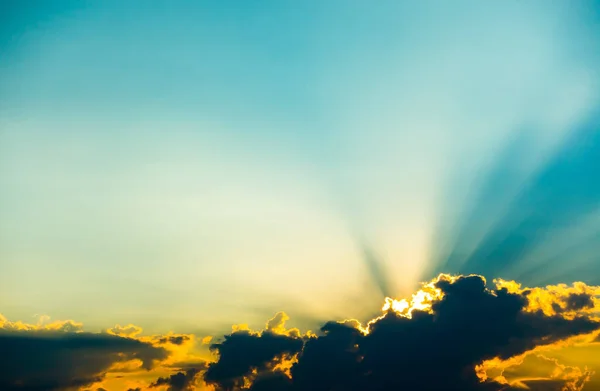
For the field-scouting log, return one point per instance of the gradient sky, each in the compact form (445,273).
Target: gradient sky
(166,165)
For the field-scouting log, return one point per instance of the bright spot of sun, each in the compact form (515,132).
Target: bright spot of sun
(398,306)
(421,301)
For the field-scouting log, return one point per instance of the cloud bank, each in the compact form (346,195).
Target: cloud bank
(455,333)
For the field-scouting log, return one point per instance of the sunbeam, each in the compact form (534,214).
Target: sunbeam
(299,195)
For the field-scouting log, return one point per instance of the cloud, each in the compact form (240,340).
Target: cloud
(457,324)
(455,333)
(47,360)
(579,301)
(180,381)
(273,381)
(578,298)
(129,331)
(537,371)
(243,351)
(59,355)
(174,339)
(58,326)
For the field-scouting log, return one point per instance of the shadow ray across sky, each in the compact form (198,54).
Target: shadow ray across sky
(560,194)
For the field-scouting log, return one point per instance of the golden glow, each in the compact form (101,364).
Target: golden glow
(129,331)
(277,325)
(552,299)
(124,375)
(572,361)
(422,300)
(68,326)
(240,327)
(398,306)
(534,366)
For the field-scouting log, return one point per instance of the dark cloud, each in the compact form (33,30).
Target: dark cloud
(174,339)
(579,301)
(273,381)
(42,360)
(460,325)
(433,350)
(243,351)
(180,381)
(330,361)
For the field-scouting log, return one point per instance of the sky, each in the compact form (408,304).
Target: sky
(183,167)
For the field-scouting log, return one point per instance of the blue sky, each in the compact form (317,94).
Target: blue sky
(164,163)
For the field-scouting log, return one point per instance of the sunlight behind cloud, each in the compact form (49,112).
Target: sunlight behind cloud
(325,155)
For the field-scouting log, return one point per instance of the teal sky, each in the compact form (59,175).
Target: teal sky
(177,165)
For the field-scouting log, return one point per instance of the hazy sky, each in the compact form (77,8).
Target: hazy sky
(173,166)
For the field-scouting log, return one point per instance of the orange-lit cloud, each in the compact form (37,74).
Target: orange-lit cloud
(455,330)
(43,324)
(567,300)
